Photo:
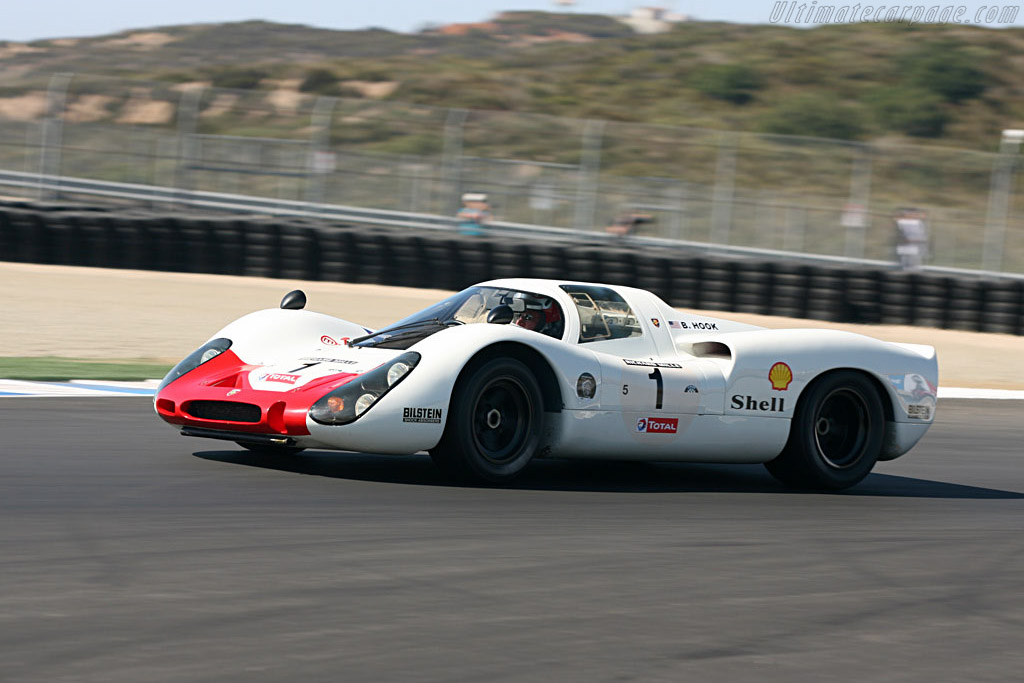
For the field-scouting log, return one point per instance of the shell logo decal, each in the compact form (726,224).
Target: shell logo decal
(780,376)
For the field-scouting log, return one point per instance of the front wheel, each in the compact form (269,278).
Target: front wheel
(494,423)
(836,435)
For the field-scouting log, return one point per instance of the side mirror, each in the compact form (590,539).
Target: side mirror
(500,315)
(294,300)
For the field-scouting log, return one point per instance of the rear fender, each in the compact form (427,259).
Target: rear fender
(767,370)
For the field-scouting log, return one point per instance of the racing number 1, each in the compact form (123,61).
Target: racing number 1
(303,367)
(656,376)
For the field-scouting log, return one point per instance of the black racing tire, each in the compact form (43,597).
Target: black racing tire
(836,434)
(270,449)
(494,423)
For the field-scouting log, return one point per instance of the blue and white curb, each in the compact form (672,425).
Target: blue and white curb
(90,387)
(79,387)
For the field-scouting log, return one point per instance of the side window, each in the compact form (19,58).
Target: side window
(603,314)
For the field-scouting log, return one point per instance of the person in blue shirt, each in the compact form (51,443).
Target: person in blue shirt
(474,214)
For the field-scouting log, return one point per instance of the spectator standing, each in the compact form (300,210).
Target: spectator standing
(474,214)
(912,238)
(626,224)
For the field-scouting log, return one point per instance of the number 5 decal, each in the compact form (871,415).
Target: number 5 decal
(656,376)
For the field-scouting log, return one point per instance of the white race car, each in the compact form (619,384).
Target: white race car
(509,370)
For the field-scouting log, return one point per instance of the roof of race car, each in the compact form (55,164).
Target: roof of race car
(552,287)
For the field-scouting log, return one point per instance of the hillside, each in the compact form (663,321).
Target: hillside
(953,85)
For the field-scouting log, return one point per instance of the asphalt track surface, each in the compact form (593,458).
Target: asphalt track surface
(132,554)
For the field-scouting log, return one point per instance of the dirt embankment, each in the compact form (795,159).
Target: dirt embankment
(124,314)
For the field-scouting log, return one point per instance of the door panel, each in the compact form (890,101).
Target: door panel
(691,387)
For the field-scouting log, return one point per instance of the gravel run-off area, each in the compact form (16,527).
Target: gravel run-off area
(96,313)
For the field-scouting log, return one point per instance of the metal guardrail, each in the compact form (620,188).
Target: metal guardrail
(64,185)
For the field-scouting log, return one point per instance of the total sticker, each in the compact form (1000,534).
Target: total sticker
(657,425)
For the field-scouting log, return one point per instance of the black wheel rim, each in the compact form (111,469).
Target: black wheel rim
(841,427)
(501,420)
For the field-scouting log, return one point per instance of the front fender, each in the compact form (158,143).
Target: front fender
(263,336)
(447,353)
(402,421)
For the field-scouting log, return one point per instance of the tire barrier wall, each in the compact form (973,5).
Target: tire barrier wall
(270,247)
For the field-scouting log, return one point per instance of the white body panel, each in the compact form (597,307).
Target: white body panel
(712,377)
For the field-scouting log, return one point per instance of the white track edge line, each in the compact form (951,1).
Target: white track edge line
(94,388)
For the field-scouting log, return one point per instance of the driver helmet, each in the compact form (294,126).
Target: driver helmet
(540,313)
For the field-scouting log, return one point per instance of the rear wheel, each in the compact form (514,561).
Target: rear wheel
(836,435)
(494,423)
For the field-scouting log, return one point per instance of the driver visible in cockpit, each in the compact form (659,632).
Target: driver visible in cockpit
(539,314)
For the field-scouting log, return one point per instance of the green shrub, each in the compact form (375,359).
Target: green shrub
(912,111)
(420,144)
(734,83)
(238,78)
(320,81)
(370,73)
(821,116)
(948,70)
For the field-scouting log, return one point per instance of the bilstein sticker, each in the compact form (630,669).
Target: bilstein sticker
(919,411)
(429,415)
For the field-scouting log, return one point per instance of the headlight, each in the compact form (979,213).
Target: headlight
(364,402)
(204,353)
(346,403)
(396,372)
(210,354)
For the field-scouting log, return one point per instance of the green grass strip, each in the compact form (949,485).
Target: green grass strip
(54,369)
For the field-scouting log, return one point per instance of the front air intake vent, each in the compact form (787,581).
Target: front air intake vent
(230,411)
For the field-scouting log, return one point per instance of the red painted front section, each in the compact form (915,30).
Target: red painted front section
(281,412)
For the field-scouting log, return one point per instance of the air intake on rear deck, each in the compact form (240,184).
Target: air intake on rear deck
(224,410)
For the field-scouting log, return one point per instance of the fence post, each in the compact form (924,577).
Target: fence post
(53,135)
(796,220)
(589,174)
(724,191)
(679,215)
(319,163)
(860,196)
(451,160)
(188,117)
(999,201)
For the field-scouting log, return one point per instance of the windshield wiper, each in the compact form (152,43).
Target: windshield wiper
(407,326)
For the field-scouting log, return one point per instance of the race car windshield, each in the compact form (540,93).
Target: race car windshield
(469,306)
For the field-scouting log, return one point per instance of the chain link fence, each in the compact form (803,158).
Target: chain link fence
(782,193)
